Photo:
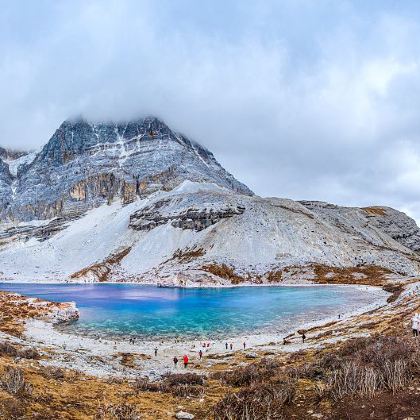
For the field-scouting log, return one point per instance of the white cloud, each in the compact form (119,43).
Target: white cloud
(302,99)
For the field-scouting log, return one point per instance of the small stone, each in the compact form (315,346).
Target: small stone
(318,415)
(251,355)
(183,415)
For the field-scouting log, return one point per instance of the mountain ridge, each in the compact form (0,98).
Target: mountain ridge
(138,202)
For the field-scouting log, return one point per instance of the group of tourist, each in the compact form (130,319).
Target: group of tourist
(185,359)
(415,324)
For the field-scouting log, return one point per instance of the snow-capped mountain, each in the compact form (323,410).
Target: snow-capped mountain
(139,202)
(86,164)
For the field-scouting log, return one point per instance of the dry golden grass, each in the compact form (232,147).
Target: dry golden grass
(14,309)
(225,272)
(103,269)
(364,275)
(376,211)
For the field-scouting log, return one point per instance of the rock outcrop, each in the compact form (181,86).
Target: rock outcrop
(192,218)
(6,180)
(383,221)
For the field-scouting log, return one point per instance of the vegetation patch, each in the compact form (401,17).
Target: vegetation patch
(13,381)
(375,211)
(224,271)
(102,270)
(187,255)
(118,412)
(365,275)
(179,384)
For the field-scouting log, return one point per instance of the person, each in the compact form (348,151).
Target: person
(226,345)
(303,337)
(284,341)
(244,345)
(200,353)
(415,324)
(156,350)
(231,346)
(185,361)
(175,359)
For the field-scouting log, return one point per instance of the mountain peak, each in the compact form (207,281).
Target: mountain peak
(87,163)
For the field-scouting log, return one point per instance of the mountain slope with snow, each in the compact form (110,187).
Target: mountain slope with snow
(179,237)
(137,202)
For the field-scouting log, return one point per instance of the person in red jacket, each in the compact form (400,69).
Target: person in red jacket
(185,360)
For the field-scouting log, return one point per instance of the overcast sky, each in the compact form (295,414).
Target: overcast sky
(301,99)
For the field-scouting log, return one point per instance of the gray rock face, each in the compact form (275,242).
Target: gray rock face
(382,222)
(184,218)
(6,180)
(8,154)
(397,225)
(86,164)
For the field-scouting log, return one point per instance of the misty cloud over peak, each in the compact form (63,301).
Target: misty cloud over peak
(300,99)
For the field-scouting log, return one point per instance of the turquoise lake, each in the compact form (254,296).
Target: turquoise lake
(148,311)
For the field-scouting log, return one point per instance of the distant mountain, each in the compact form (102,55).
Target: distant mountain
(138,202)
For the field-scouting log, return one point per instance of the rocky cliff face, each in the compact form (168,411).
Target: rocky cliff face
(85,165)
(383,222)
(6,180)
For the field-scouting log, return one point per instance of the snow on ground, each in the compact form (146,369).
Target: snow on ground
(270,234)
(24,160)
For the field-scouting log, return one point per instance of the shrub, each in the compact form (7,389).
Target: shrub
(29,354)
(173,379)
(307,371)
(366,365)
(144,384)
(179,384)
(6,349)
(353,379)
(247,375)
(118,412)
(257,402)
(13,381)
(51,372)
(12,408)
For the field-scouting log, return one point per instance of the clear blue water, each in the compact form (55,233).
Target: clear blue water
(147,311)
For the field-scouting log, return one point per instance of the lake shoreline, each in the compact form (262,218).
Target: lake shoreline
(78,352)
